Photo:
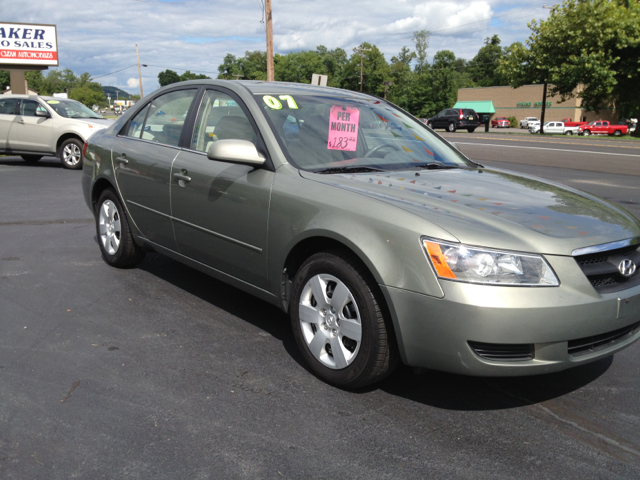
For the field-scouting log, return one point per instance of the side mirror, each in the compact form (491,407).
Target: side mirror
(235,151)
(42,113)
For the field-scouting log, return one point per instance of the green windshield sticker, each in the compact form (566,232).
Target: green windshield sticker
(272,102)
(52,102)
(291,103)
(275,104)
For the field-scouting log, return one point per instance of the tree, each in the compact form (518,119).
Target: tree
(334,62)
(254,65)
(483,68)
(5,80)
(421,39)
(375,68)
(230,68)
(88,96)
(188,75)
(403,78)
(587,49)
(168,77)
(298,66)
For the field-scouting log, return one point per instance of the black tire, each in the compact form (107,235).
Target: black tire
(617,133)
(430,125)
(126,253)
(375,355)
(568,132)
(31,158)
(452,127)
(586,133)
(70,153)
(471,130)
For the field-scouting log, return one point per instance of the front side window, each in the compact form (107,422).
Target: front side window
(321,132)
(137,122)
(8,106)
(166,117)
(220,118)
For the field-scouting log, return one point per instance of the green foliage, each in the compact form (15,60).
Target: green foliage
(586,48)
(168,77)
(421,39)
(5,80)
(482,69)
(513,122)
(88,95)
(188,75)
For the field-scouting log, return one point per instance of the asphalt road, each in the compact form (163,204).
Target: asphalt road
(161,372)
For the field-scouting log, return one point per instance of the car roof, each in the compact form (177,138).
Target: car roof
(34,97)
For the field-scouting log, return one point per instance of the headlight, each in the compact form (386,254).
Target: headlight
(462,263)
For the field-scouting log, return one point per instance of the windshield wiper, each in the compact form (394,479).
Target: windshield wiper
(349,169)
(434,166)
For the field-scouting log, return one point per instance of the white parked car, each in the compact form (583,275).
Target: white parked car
(558,128)
(527,122)
(33,126)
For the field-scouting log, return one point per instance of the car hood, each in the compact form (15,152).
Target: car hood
(95,121)
(496,208)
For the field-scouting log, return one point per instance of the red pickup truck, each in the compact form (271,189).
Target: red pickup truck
(602,127)
(568,123)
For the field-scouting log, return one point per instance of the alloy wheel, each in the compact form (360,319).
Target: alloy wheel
(330,321)
(110,227)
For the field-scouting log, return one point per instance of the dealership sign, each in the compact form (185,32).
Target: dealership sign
(28,45)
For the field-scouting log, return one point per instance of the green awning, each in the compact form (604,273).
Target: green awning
(479,107)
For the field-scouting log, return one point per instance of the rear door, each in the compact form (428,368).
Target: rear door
(142,156)
(8,109)
(29,132)
(221,210)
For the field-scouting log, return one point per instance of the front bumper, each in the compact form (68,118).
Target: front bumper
(435,332)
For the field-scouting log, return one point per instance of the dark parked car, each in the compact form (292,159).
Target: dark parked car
(452,119)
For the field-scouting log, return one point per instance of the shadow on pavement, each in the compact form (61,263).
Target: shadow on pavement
(459,392)
(437,389)
(44,162)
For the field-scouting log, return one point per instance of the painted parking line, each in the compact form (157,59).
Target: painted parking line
(616,145)
(542,148)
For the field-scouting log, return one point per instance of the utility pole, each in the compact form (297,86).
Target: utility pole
(386,87)
(544,107)
(362,50)
(270,71)
(139,71)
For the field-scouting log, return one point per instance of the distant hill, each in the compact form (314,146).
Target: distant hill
(122,95)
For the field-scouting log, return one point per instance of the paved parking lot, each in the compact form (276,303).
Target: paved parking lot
(161,372)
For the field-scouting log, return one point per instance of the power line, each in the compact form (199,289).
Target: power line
(99,76)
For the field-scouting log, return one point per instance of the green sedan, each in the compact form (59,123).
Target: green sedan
(382,242)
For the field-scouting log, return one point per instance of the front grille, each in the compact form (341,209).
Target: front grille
(601,269)
(582,346)
(503,352)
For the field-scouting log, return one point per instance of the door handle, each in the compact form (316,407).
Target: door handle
(21,121)
(122,159)
(182,178)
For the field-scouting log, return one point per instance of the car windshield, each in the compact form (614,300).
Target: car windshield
(72,109)
(337,132)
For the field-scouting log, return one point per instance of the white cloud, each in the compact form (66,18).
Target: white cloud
(100,37)
(133,82)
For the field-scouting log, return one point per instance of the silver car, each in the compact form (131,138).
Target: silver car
(33,126)
(382,242)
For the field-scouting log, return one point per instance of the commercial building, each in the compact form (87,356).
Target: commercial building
(526,101)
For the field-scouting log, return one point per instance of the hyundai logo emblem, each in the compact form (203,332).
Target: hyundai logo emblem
(627,267)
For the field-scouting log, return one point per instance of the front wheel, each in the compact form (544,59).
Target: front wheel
(31,158)
(586,133)
(114,234)
(451,127)
(70,153)
(338,321)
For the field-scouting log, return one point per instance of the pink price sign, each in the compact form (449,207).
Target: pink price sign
(343,128)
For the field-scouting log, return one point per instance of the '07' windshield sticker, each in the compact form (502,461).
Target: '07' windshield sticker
(343,128)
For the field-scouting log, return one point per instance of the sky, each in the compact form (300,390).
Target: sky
(100,37)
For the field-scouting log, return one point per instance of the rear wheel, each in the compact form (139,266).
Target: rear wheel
(430,125)
(114,235)
(451,127)
(568,132)
(70,153)
(617,133)
(471,130)
(338,321)
(31,158)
